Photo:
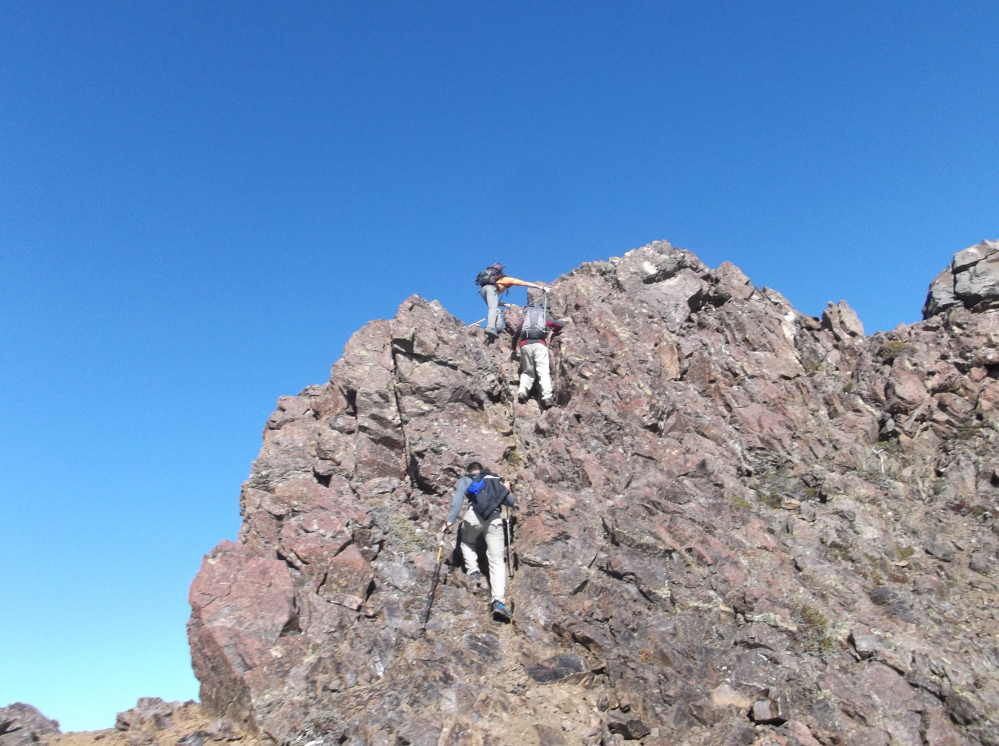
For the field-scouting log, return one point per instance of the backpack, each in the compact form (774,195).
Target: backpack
(513,317)
(486,495)
(535,324)
(489,275)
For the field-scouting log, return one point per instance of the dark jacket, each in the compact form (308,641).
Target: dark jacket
(486,503)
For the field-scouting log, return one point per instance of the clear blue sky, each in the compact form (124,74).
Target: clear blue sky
(199,202)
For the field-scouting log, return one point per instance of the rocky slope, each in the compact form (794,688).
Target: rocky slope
(740,525)
(21,725)
(152,722)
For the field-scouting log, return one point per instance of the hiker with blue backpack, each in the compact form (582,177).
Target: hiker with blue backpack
(486,496)
(493,282)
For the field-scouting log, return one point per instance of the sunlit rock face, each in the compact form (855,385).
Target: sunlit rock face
(740,524)
(971,280)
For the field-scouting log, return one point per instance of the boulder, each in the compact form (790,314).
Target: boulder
(972,280)
(23,725)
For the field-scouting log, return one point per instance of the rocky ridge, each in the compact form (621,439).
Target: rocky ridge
(21,725)
(740,525)
(152,722)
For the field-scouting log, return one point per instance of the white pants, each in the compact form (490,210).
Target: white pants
(534,364)
(471,529)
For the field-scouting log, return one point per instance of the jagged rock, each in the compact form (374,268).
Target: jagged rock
(150,713)
(842,321)
(942,550)
(155,722)
(971,280)
(730,499)
(556,668)
(939,730)
(24,725)
(766,712)
(631,730)
(981,563)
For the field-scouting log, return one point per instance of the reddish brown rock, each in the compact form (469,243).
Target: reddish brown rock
(153,722)
(735,511)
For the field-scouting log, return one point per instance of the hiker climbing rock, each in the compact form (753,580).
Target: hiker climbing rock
(493,282)
(531,338)
(486,495)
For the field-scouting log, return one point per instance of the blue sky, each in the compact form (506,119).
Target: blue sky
(200,202)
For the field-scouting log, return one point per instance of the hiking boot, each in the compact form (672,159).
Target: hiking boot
(522,398)
(472,582)
(500,612)
(548,403)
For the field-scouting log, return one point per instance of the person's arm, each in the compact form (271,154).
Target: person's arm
(505,282)
(509,499)
(457,500)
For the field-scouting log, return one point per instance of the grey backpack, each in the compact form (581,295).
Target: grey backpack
(535,324)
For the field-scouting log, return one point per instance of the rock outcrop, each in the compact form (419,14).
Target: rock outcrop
(740,525)
(22,725)
(971,280)
(153,722)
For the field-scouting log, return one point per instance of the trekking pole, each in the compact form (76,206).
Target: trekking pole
(433,583)
(506,530)
(548,341)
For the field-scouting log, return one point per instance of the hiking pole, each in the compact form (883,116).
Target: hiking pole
(506,530)
(548,341)
(433,583)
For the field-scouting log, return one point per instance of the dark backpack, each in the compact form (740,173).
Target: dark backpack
(489,275)
(486,495)
(535,325)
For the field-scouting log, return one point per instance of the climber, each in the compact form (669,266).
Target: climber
(486,494)
(492,284)
(531,338)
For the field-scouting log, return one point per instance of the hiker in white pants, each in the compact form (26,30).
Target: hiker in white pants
(534,366)
(486,495)
(532,343)
(471,529)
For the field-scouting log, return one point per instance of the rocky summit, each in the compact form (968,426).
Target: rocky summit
(738,525)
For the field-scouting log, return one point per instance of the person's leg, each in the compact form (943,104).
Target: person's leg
(471,530)
(495,553)
(527,372)
(541,365)
(491,297)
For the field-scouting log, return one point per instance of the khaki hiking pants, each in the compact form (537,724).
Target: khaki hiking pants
(471,530)
(534,364)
